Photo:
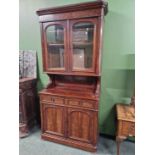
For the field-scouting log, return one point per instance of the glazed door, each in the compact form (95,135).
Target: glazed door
(83,45)
(80,125)
(55,56)
(53,119)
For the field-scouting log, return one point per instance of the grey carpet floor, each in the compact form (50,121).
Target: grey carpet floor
(34,145)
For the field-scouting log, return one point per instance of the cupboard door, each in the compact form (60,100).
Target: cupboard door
(83,44)
(55,46)
(80,125)
(53,119)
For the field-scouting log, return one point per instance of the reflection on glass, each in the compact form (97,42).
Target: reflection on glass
(55,46)
(55,34)
(82,38)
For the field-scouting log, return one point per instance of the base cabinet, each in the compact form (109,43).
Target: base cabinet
(69,124)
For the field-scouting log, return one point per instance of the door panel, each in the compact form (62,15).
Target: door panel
(55,34)
(83,44)
(53,119)
(80,125)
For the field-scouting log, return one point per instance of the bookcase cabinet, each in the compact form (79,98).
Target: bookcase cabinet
(71,38)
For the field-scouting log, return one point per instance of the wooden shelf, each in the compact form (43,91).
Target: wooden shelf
(83,28)
(55,44)
(53,31)
(65,92)
(82,43)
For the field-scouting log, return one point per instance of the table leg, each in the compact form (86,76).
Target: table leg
(118,141)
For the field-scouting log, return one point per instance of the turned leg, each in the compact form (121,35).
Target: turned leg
(118,146)
(118,141)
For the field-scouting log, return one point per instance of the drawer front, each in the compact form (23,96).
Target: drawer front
(88,104)
(52,99)
(73,102)
(128,128)
(81,103)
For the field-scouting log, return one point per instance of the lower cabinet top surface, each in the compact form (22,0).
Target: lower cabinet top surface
(69,94)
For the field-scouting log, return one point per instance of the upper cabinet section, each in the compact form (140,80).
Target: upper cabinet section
(83,35)
(72,38)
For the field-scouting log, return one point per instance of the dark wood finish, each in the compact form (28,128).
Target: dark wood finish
(73,119)
(71,15)
(27,100)
(71,8)
(126,123)
(69,103)
(81,125)
(53,116)
(95,12)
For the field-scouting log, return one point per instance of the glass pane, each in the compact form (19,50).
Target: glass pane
(55,46)
(55,34)
(83,45)
(56,57)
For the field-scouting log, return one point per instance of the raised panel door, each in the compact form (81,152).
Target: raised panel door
(80,125)
(53,119)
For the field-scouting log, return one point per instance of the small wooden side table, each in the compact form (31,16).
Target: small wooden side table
(125,123)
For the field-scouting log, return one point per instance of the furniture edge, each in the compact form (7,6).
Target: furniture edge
(69,142)
(71,7)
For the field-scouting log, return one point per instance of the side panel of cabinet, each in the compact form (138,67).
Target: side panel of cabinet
(82,125)
(53,119)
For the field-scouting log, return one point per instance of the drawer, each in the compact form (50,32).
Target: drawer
(52,99)
(81,103)
(128,128)
(73,102)
(88,104)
